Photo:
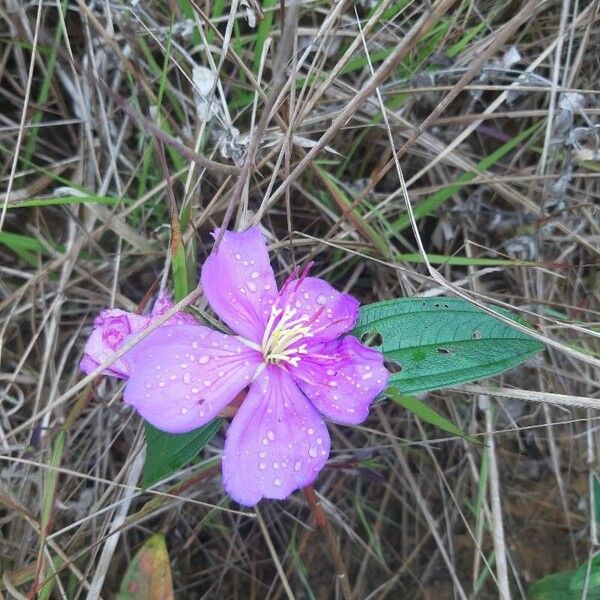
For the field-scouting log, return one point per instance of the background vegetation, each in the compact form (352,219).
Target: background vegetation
(129,130)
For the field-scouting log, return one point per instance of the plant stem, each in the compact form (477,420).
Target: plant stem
(329,538)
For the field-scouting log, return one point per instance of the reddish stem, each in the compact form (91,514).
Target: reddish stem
(329,539)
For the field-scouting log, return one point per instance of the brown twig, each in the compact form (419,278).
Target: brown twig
(329,539)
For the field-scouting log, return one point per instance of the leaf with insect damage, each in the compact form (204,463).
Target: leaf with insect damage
(431,343)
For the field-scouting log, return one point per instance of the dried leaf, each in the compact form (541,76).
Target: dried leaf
(148,576)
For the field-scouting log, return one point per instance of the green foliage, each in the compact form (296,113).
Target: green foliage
(425,413)
(437,342)
(168,452)
(569,585)
(433,202)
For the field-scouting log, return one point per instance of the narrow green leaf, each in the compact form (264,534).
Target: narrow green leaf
(19,242)
(169,452)
(351,213)
(427,414)
(262,32)
(437,342)
(180,272)
(50,577)
(596,496)
(60,200)
(465,261)
(434,201)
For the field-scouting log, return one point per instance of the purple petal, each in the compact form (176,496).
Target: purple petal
(111,328)
(277,442)
(341,379)
(239,282)
(162,304)
(182,376)
(331,313)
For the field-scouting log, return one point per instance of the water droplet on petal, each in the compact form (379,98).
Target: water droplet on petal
(207,383)
(184,411)
(262,466)
(277,482)
(186,378)
(271,435)
(203,359)
(298,465)
(313,453)
(251,286)
(321,299)
(255,275)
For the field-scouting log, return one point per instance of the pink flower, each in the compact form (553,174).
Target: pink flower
(288,350)
(113,325)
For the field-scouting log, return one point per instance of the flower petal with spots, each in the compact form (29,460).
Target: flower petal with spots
(341,378)
(328,313)
(239,283)
(277,442)
(182,376)
(111,328)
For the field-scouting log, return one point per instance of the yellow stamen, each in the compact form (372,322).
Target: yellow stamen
(277,339)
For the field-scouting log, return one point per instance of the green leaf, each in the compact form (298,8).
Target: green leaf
(61,200)
(596,496)
(148,576)
(569,585)
(438,342)
(169,452)
(553,587)
(427,414)
(587,576)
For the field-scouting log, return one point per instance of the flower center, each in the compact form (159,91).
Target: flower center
(278,343)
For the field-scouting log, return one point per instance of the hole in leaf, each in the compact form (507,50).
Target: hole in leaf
(371,338)
(442,350)
(391,365)
(476,335)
